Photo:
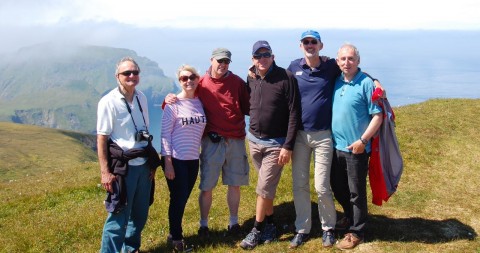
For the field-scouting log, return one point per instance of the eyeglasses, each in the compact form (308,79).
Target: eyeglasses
(185,78)
(260,55)
(130,72)
(313,42)
(226,61)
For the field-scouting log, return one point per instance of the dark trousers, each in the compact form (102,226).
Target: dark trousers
(186,172)
(349,186)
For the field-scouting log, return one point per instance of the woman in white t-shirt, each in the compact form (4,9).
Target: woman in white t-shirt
(183,123)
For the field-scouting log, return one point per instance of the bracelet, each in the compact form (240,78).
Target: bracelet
(363,141)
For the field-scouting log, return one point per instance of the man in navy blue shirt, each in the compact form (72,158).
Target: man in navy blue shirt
(316,79)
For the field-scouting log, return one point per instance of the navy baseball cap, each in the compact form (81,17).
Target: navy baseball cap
(260,44)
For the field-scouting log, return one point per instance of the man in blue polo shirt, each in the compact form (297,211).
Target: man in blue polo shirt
(355,120)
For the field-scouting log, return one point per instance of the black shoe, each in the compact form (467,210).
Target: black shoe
(233,230)
(269,233)
(181,246)
(328,238)
(298,239)
(203,232)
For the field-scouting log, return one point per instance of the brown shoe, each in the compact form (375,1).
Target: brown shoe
(350,241)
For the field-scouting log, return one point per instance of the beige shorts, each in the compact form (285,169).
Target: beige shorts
(265,160)
(228,156)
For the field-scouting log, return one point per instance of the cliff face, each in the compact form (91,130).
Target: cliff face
(59,86)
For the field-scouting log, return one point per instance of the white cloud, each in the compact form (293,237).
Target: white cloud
(367,14)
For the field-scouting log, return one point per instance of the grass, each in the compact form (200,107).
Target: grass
(51,201)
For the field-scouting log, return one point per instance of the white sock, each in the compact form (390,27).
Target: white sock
(204,223)
(233,220)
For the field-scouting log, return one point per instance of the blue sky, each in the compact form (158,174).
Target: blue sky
(366,14)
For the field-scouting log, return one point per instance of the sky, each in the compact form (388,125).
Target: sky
(247,14)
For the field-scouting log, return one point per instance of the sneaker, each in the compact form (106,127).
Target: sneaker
(349,242)
(233,230)
(251,241)
(203,232)
(298,239)
(269,233)
(342,224)
(328,239)
(181,246)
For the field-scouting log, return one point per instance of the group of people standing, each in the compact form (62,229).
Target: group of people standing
(317,106)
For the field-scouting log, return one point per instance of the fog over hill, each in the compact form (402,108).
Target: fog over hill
(58,85)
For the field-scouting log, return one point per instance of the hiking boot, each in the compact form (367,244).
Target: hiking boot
(203,232)
(342,224)
(251,241)
(298,239)
(269,233)
(233,230)
(328,239)
(181,246)
(350,241)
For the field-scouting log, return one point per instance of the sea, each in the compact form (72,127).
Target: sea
(413,66)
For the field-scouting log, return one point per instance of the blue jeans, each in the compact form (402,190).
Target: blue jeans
(186,173)
(122,231)
(349,185)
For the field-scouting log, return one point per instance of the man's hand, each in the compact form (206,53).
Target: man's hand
(357,147)
(171,98)
(284,156)
(107,180)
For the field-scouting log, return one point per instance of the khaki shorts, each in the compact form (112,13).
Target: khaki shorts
(265,160)
(228,156)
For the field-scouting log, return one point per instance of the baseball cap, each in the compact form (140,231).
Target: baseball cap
(311,34)
(260,44)
(221,53)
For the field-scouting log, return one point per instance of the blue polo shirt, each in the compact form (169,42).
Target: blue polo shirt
(352,110)
(316,89)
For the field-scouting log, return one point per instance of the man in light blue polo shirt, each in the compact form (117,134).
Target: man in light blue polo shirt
(355,119)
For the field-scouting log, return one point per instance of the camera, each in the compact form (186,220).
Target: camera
(143,135)
(214,137)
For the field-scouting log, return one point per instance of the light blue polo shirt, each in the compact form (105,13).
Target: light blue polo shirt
(352,110)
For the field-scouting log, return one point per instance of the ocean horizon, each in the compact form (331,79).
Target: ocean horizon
(413,66)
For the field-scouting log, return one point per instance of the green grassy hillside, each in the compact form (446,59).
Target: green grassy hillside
(50,200)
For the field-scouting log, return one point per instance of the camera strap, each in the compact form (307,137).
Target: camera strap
(130,112)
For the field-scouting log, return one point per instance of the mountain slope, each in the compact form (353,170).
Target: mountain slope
(58,86)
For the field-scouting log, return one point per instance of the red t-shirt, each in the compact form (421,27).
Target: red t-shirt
(225,102)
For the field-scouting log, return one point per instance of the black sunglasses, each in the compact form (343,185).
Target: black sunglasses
(130,72)
(226,61)
(185,78)
(260,55)
(313,42)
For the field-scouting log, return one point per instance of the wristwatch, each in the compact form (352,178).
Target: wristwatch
(363,141)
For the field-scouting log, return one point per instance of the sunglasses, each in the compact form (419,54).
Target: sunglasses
(260,55)
(313,42)
(226,61)
(130,72)
(185,78)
